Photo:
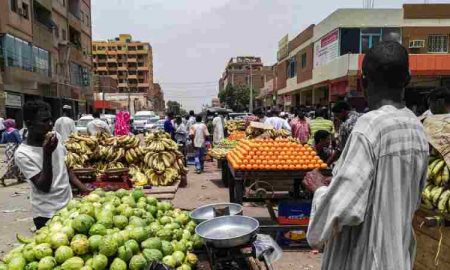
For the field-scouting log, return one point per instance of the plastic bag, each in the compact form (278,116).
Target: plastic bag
(265,244)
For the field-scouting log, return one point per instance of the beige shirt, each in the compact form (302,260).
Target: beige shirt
(200,132)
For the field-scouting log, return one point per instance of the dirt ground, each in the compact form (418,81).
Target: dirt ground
(15,215)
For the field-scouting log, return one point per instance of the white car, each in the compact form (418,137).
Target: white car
(140,120)
(82,123)
(151,123)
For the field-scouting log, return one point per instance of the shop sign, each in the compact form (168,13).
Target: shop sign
(283,47)
(13,100)
(326,49)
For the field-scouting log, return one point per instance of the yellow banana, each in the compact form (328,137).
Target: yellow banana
(438,167)
(443,199)
(435,194)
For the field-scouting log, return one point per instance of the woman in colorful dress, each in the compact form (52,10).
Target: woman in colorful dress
(11,137)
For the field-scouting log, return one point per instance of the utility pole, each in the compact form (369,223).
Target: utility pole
(250,108)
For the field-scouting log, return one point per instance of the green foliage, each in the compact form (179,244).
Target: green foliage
(236,98)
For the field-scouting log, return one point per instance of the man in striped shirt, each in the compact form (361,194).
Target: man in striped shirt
(364,217)
(320,123)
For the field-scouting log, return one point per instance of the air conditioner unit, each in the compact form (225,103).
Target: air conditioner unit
(63,43)
(415,44)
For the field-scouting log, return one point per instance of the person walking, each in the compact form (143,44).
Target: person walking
(41,160)
(217,123)
(65,125)
(364,217)
(11,137)
(300,127)
(97,125)
(199,133)
(277,122)
(320,123)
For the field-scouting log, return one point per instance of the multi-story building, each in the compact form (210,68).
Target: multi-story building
(240,69)
(129,62)
(323,63)
(45,54)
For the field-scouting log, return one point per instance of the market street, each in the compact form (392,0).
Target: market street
(202,189)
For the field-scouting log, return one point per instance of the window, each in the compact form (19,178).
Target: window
(13,5)
(87,20)
(303,60)
(369,37)
(82,16)
(437,44)
(21,54)
(292,66)
(25,10)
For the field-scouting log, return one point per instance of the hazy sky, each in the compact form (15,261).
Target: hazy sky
(192,40)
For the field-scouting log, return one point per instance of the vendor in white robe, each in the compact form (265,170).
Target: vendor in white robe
(218,135)
(364,217)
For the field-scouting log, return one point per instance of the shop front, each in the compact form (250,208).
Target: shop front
(13,107)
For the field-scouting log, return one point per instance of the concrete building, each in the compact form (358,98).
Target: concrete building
(45,54)
(129,62)
(239,70)
(323,63)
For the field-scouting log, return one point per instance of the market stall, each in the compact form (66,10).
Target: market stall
(113,162)
(432,220)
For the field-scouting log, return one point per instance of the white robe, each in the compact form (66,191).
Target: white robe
(364,217)
(218,130)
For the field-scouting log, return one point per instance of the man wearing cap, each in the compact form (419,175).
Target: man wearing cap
(65,125)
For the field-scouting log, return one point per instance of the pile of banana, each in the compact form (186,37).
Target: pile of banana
(233,125)
(273,134)
(163,163)
(219,153)
(436,194)
(80,149)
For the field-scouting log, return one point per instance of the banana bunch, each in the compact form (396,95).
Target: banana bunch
(165,178)
(128,141)
(438,172)
(133,155)
(219,153)
(274,134)
(160,141)
(158,135)
(75,161)
(233,125)
(139,179)
(436,197)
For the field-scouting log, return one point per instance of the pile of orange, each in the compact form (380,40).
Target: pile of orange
(236,135)
(268,154)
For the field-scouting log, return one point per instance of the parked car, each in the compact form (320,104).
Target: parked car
(151,123)
(81,124)
(140,120)
(238,115)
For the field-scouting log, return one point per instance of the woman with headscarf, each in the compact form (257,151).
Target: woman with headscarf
(122,123)
(12,139)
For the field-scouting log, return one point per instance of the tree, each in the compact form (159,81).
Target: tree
(175,108)
(235,98)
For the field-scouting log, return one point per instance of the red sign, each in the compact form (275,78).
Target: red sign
(329,38)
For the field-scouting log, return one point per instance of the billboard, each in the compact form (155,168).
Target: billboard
(326,49)
(283,49)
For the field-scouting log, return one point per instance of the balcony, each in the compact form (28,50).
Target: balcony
(111,52)
(143,68)
(96,52)
(122,85)
(42,36)
(112,69)
(132,77)
(102,69)
(144,51)
(114,77)
(143,85)
(112,60)
(122,68)
(132,60)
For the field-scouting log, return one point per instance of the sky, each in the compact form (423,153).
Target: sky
(193,40)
